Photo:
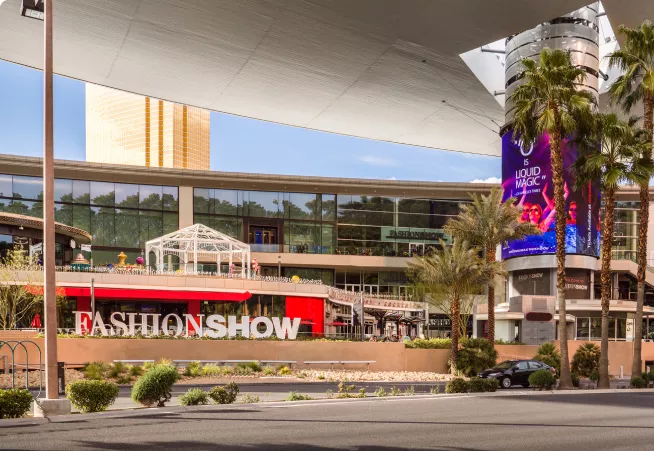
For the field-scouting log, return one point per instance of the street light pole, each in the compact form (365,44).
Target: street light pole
(49,290)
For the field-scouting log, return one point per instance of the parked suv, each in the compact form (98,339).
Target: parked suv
(515,372)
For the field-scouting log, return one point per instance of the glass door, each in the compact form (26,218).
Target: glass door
(264,239)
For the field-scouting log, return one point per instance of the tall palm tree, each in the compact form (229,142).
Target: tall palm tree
(617,160)
(488,222)
(549,103)
(459,270)
(636,60)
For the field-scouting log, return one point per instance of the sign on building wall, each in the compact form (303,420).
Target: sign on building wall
(577,284)
(532,283)
(527,176)
(215,326)
(414,235)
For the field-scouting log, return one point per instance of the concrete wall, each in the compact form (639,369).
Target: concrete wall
(388,356)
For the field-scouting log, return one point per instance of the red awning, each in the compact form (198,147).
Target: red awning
(337,323)
(177,295)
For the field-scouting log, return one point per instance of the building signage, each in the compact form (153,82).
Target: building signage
(411,235)
(215,326)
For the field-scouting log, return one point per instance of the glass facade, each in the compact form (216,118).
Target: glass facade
(324,224)
(119,216)
(625,235)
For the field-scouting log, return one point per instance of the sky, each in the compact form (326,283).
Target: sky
(238,144)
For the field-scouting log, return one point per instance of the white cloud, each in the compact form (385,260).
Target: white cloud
(378,161)
(495,180)
(392,178)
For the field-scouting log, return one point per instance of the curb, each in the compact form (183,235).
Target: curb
(161,411)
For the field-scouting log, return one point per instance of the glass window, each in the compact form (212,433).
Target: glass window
(306,235)
(126,222)
(328,207)
(229,226)
(535,365)
(64,214)
(63,190)
(170,222)
(327,239)
(28,187)
(170,198)
(151,197)
(5,205)
(262,204)
(302,206)
(81,192)
(21,207)
(523,365)
(201,201)
(127,195)
(225,201)
(621,326)
(102,225)
(595,328)
(102,193)
(82,217)
(6,189)
(151,225)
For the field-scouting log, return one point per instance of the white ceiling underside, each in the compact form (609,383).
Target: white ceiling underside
(352,67)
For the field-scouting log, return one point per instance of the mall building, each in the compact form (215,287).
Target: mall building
(319,244)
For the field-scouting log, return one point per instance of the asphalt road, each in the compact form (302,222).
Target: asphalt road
(588,421)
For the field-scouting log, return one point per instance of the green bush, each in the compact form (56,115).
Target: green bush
(92,396)
(253,367)
(116,369)
(226,394)
(227,370)
(380,392)
(575,379)
(478,385)
(457,385)
(250,399)
(95,371)
(211,370)
(284,370)
(432,343)
(293,396)
(409,391)
(586,359)
(475,355)
(549,355)
(194,397)
(435,390)
(542,379)
(135,371)
(14,403)
(594,376)
(395,391)
(638,382)
(193,369)
(155,386)
(269,371)
(243,370)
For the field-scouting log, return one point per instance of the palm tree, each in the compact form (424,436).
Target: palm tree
(617,160)
(636,60)
(548,103)
(459,270)
(488,222)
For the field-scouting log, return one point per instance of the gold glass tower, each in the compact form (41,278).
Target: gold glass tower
(125,128)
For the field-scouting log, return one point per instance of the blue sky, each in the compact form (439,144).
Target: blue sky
(237,143)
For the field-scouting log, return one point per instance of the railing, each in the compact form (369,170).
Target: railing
(14,345)
(630,256)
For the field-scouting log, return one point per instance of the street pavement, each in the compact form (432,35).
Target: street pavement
(581,420)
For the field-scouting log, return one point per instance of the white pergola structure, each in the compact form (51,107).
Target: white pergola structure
(199,242)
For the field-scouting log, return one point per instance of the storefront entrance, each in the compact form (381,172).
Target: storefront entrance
(265,238)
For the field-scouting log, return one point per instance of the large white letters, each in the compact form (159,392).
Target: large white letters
(261,320)
(233,325)
(99,324)
(78,321)
(180,325)
(286,328)
(216,329)
(118,324)
(197,325)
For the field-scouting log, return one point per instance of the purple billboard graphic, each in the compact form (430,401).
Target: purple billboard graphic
(527,176)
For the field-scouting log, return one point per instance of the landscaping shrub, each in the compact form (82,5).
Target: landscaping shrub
(226,394)
(253,367)
(293,396)
(575,379)
(135,371)
(193,369)
(344,390)
(476,355)
(542,379)
(211,370)
(638,382)
(227,370)
(435,390)
(92,396)
(250,399)
(409,391)
(116,369)
(155,386)
(269,371)
(549,355)
(478,385)
(586,359)
(194,397)
(243,370)
(284,370)
(432,343)
(395,391)
(594,376)
(14,403)
(95,370)
(457,385)
(329,394)
(380,392)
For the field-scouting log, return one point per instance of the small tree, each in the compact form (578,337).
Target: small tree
(549,355)
(21,289)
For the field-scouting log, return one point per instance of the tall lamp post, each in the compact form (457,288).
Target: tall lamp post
(51,405)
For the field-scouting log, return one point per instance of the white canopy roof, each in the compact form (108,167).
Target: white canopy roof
(199,242)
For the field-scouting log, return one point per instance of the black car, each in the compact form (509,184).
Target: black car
(515,372)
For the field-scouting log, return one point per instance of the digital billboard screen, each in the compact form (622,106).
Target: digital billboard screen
(527,176)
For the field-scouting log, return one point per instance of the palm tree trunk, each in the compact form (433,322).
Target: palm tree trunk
(456,313)
(607,236)
(565,381)
(490,257)
(643,219)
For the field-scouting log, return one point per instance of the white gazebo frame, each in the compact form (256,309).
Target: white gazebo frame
(199,241)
